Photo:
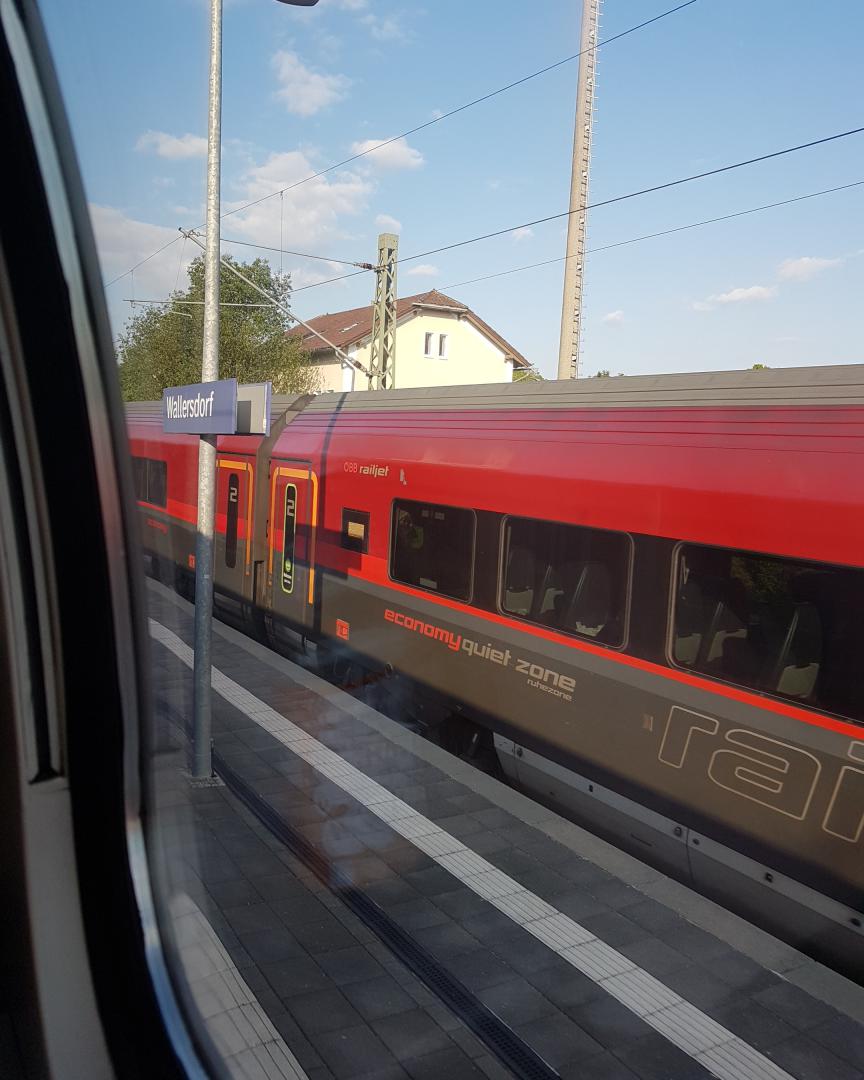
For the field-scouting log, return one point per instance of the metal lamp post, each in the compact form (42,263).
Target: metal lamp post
(202,767)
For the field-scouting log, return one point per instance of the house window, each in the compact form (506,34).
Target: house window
(427,348)
(442,346)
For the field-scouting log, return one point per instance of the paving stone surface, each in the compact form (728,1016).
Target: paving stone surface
(354,1010)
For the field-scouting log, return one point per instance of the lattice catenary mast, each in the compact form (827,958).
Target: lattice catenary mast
(571,311)
(382,359)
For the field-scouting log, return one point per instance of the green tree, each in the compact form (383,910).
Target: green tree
(162,346)
(529,374)
(604,374)
(759,367)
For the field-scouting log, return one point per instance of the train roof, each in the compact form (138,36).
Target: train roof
(814,386)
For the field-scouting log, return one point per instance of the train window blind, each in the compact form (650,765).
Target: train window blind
(355,530)
(566,577)
(151,480)
(777,626)
(432,548)
(231,512)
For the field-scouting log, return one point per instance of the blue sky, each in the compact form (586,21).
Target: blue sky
(721,81)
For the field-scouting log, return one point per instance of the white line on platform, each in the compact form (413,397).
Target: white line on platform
(715,1048)
(241,1031)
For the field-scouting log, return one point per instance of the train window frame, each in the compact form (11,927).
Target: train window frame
(693,672)
(391,550)
(628,590)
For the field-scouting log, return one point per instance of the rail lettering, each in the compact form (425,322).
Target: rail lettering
(845,814)
(775,774)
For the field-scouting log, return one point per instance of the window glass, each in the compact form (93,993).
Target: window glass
(403,719)
(432,547)
(355,530)
(151,480)
(157,482)
(139,470)
(288,538)
(775,625)
(231,511)
(566,577)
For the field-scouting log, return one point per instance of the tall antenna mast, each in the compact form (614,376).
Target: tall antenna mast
(571,310)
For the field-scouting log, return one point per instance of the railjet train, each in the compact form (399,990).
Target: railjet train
(647,594)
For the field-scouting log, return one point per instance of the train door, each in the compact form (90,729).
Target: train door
(292,526)
(233,540)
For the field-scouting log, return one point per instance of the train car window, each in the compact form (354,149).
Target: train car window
(231,511)
(288,538)
(432,548)
(139,472)
(157,482)
(567,577)
(151,480)
(774,625)
(355,530)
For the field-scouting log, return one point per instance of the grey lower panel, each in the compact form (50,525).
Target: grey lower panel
(649,835)
(710,866)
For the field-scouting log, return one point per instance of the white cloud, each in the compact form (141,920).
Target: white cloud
(523,233)
(746,295)
(750,294)
(423,270)
(805,268)
(176,147)
(613,318)
(388,224)
(122,242)
(313,212)
(385,28)
(395,155)
(303,91)
(436,114)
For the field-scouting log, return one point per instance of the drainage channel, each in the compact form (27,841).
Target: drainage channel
(500,1039)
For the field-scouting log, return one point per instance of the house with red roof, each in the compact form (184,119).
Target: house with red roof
(439,342)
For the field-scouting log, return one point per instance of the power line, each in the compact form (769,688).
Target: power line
(635,194)
(655,235)
(605,202)
(299,254)
(426,124)
(152,255)
(461,108)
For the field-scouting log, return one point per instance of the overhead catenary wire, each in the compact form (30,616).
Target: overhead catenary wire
(665,186)
(299,254)
(656,235)
(426,124)
(461,108)
(636,194)
(147,259)
(193,303)
(350,361)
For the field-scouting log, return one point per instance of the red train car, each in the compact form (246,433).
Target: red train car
(645,593)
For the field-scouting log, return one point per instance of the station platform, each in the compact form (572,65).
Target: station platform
(353,902)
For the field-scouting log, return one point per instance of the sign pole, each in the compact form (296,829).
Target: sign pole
(202,765)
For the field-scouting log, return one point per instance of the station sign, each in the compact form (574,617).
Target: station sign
(201,409)
(253,408)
